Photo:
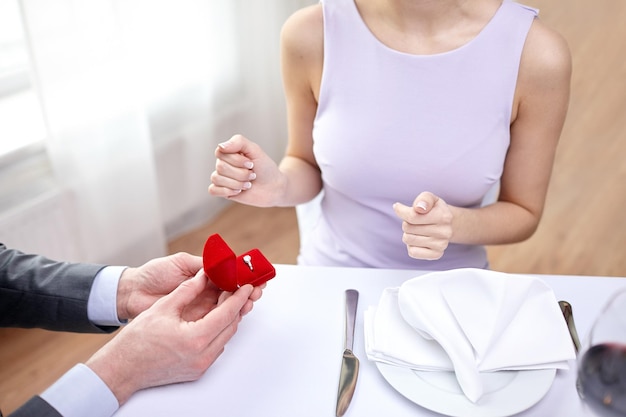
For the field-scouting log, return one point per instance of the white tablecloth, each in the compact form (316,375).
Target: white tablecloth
(285,359)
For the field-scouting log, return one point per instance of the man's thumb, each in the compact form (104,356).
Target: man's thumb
(186,292)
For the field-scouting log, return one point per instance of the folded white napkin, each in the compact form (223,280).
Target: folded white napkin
(469,321)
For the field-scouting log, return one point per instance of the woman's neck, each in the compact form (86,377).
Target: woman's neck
(426,26)
(405,14)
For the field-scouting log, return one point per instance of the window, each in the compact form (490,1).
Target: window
(21,119)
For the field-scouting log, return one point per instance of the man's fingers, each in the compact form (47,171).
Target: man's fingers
(185,293)
(228,309)
(218,326)
(188,263)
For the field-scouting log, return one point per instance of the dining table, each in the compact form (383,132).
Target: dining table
(285,359)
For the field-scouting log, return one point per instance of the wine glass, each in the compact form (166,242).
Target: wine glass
(602,361)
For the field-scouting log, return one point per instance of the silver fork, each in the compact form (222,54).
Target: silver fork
(568,314)
(566,309)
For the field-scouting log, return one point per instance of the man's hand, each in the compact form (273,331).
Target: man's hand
(175,340)
(141,287)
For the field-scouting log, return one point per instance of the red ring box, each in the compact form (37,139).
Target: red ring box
(229,271)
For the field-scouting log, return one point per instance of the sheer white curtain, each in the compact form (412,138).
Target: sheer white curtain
(136,94)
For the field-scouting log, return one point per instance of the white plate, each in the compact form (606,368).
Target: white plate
(506,392)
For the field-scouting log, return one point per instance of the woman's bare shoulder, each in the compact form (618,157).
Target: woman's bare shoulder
(546,57)
(302,34)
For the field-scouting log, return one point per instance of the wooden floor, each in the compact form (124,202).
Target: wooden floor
(583,230)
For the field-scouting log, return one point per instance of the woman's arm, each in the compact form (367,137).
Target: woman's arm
(244,173)
(539,112)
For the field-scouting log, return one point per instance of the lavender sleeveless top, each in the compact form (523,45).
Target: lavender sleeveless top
(390,125)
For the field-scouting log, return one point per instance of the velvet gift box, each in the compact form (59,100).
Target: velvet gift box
(229,271)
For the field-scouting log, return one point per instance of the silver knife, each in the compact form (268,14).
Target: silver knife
(349,363)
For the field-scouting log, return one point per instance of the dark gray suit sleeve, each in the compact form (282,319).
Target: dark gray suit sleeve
(35,407)
(39,292)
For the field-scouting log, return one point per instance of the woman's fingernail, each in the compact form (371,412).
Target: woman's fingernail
(252,176)
(248,164)
(247,185)
(422,205)
(223,145)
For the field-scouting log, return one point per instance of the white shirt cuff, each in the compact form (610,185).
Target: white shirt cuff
(80,392)
(102,303)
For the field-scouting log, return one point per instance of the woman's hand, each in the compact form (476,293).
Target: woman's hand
(246,174)
(426,226)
